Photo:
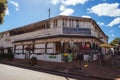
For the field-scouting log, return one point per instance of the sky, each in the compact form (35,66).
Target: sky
(106,13)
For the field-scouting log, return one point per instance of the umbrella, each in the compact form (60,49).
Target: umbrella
(106,46)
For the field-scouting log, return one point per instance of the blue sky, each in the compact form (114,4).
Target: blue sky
(105,12)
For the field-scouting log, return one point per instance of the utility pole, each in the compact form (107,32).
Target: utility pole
(49,13)
(48,25)
(49,17)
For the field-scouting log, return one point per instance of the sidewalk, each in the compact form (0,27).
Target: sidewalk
(94,69)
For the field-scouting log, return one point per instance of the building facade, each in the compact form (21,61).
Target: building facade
(52,38)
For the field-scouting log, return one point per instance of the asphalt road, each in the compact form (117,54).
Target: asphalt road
(14,73)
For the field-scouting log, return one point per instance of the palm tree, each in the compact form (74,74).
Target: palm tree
(3,6)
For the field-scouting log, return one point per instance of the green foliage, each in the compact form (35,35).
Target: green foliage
(3,6)
(3,1)
(116,41)
(0,56)
(9,56)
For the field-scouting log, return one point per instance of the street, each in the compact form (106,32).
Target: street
(14,73)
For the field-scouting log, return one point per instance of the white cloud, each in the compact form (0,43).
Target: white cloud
(7,11)
(62,8)
(119,26)
(67,11)
(66,3)
(106,9)
(101,23)
(55,1)
(86,16)
(112,35)
(114,22)
(73,3)
(15,4)
(111,31)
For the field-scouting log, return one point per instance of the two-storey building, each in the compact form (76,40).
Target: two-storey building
(52,38)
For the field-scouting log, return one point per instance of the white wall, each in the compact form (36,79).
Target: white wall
(46,57)
(39,57)
(57,59)
(20,56)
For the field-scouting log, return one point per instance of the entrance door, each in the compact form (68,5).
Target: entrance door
(78,51)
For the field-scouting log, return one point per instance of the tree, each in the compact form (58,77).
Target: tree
(115,41)
(3,6)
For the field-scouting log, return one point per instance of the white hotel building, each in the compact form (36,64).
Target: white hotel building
(50,39)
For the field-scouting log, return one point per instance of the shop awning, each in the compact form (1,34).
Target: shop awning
(106,46)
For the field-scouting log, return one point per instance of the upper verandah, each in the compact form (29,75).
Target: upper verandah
(45,24)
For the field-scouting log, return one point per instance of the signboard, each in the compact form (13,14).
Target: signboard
(68,30)
(52,56)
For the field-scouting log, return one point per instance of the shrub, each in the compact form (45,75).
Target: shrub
(4,55)
(10,56)
(33,61)
(0,56)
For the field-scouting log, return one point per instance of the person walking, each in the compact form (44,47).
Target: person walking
(80,58)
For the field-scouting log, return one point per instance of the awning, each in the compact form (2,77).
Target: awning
(106,46)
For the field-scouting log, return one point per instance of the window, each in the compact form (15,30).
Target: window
(55,23)
(64,23)
(70,23)
(77,23)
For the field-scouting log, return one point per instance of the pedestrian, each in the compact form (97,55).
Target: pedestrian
(80,58)
(100,57)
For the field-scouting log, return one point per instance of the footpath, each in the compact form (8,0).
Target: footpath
(104,71)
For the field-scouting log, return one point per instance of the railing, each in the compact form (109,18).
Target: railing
(39,33)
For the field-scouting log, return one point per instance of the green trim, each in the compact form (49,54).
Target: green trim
(52,56)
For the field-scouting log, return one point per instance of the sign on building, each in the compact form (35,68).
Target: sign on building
(68,30)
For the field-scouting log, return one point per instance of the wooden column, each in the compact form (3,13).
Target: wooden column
(23,48)
(62,47)
(14,48)
(33,46)
(46,47)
